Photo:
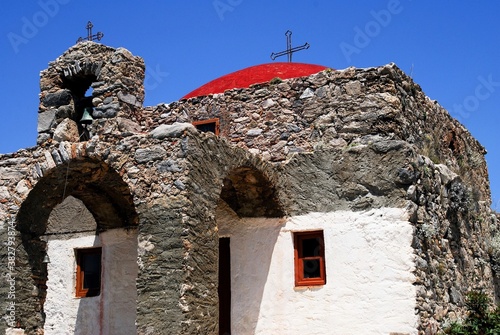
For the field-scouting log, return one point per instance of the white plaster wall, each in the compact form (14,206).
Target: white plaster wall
(114,310)
(61,307)
(369,268)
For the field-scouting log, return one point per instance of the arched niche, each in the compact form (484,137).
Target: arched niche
(104,195)
(112,307)
(249,193)
(80,87)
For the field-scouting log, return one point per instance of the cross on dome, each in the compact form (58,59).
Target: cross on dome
(289,50)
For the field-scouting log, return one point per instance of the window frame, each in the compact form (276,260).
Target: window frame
(202,122)
(300,279)
(80,254)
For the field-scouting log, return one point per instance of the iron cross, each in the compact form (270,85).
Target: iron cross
(91,37)
(289,50)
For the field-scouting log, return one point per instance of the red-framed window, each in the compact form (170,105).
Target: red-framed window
(211,125)
(88,272)
(309,248)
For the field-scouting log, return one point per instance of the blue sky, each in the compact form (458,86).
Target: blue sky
(450,48)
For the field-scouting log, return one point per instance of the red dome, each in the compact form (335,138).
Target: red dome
(254,75)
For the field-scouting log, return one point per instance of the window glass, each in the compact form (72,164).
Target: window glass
(310,247)
(92,271)
(88,272)
(309,258)
(211,125)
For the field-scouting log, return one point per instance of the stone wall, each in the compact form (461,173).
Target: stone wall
(175,191)
(139,188)
(453,243)
(141,181)
(451,225)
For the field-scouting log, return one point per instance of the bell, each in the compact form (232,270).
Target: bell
(87,117)
(46,259)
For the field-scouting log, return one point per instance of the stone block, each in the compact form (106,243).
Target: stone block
(46,120)
(173,130)
(59,98)
(150,154)
(66,131)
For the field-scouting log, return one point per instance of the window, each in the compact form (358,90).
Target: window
(309,258)
(204,126)
(88,272)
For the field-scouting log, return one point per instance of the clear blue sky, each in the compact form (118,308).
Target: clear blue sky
(451,48)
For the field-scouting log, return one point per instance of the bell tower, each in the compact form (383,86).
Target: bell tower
(86,89)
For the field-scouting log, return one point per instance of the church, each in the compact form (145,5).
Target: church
(284,198)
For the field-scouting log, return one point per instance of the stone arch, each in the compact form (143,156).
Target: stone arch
(77,79)
(230,188)
(94,182)
(103,192)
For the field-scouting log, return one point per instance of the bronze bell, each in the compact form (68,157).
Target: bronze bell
(87,116)
(46,259)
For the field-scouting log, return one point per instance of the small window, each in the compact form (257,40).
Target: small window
(309,258)
(88,272)
(204,126)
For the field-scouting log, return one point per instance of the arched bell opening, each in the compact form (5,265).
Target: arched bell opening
(80,86)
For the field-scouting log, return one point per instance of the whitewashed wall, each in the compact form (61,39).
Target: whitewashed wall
(369,264)
(114,310)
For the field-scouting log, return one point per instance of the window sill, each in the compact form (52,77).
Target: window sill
(308,288)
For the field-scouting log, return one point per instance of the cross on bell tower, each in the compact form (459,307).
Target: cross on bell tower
(91,37)
(289,50)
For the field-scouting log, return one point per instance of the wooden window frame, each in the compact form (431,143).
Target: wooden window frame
(300,279)
(80,272)
(202,122)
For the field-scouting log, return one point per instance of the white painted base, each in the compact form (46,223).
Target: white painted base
(369,268)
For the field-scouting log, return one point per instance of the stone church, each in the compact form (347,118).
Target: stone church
(281,199)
